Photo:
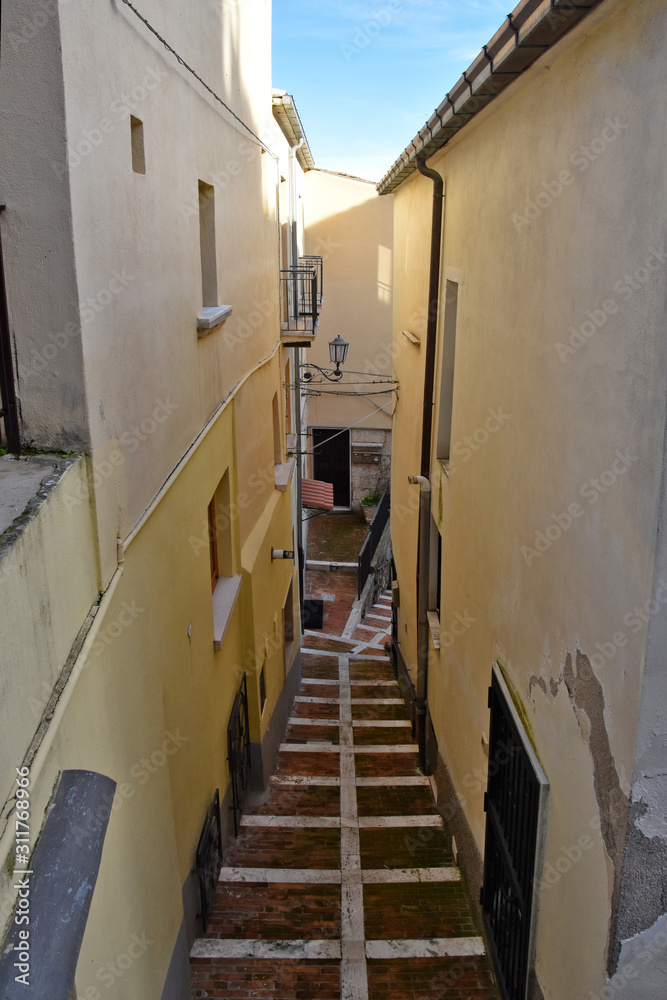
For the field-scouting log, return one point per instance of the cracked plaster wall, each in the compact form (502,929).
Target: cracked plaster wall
(643,891)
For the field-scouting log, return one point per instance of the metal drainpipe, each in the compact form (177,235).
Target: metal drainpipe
(300,560)
(432,318)
(422,619)
(293,201)
(424,478)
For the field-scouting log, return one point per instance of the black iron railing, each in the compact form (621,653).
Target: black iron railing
(208,861)
(369,548)
(514,804)
(299,299)
(238,743)
(310,260)
(9,419)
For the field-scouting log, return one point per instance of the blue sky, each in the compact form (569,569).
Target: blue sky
(365,76)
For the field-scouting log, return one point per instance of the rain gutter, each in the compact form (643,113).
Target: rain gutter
(528,32)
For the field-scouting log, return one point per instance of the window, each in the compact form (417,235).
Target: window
(435,568)
(262,690)
(209,268)
(277,436)
(447,372)
(213,543)
(225,583)
(137,140)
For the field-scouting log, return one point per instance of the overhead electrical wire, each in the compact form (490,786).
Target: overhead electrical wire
(196,75)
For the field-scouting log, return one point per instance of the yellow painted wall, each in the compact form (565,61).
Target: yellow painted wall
(575,138)
(152,705)
(48,582)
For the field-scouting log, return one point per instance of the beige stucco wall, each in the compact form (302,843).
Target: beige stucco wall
(350,226)
(36,228)
(151,384)
(577,138)
(169,413)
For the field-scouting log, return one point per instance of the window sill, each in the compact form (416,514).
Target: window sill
(212,316)
(434,625)
(284,474)
(224,599)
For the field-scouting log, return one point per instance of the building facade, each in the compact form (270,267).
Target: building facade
(349,424)
(140,595)
(533,563)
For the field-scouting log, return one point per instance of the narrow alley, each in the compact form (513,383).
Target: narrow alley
(342,883)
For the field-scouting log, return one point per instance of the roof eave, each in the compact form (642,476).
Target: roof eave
(532,28)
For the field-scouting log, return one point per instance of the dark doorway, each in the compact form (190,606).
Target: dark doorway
(331,461)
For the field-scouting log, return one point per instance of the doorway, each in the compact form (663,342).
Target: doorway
(331,461)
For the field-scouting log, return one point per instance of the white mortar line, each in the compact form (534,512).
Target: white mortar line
(398,748)
(353,975)
(326,635)
(312,722)
(382,660)
(375,683)
(379,723)
(376,822)
(363,701)
(306,699)
(318,680)
(425,948)
(309,748)
(263,949)
(289,780)
(388,875)
(299,822)
(398,781)
(283,876)
(318,652)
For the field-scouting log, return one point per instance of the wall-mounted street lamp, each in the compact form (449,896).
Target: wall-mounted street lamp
(338,349)
(337,353)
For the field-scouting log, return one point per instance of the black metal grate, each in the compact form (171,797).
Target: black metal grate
(311,260)
(238,743)
(9,420)
(514,804)
(209,858)
(369,548)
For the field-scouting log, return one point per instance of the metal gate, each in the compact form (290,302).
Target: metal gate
(515,805)
(238,743)
(208,860)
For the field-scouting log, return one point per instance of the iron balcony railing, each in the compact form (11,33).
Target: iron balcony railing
(369,548)
(299,299)
(311,260)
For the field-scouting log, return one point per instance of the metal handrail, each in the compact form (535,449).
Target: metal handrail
(369,548)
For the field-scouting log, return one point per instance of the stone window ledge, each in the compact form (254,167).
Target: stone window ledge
(210,317)
(224,600)
(284,474)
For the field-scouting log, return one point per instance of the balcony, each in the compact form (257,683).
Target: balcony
(300,301)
